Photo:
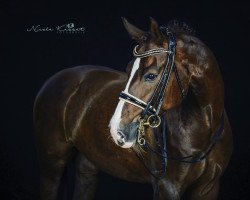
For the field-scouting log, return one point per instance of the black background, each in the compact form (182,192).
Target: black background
(28,59)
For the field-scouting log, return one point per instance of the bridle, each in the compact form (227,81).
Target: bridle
(151,116)
(152,108)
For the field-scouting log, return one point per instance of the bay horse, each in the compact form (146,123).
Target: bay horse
(163,122)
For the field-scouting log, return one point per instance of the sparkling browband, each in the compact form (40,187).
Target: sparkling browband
(150,52)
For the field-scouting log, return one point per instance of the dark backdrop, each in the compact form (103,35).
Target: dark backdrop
(28,59)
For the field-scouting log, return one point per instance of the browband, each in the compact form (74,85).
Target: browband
(150,52)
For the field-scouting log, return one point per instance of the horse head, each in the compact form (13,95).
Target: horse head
(155,83)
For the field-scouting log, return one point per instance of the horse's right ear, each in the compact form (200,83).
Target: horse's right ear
(139,35)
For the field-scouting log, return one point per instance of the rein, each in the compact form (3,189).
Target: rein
(163,154)
(150,112)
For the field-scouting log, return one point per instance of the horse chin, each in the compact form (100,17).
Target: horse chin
(127,145)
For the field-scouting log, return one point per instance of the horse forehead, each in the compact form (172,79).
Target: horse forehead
(154,60)
(149,61)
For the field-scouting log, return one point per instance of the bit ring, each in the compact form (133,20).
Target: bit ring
(153,121)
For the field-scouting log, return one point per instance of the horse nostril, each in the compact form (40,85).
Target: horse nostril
(121,134)
(121,141)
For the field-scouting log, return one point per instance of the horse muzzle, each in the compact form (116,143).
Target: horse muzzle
(127,136)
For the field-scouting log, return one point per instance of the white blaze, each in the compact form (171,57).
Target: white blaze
(116,119)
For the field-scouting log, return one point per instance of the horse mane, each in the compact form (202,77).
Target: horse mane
(180,27)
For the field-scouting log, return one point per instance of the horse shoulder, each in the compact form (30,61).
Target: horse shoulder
(64,94)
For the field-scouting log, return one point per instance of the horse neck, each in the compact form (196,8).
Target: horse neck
(198,116)
(206,86)
(207,89)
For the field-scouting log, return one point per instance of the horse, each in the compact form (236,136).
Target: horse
(163,122)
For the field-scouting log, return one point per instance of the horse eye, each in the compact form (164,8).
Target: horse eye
(150,77)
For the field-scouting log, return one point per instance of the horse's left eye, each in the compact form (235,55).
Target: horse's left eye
(150,77)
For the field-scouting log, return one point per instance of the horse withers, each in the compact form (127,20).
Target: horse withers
(163,122)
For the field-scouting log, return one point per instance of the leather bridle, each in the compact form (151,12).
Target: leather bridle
(151,116)
(150,110)
(153,106)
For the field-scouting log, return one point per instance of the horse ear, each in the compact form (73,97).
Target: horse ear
(136,33)
(155,30)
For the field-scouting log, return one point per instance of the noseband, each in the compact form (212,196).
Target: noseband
(150,115)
